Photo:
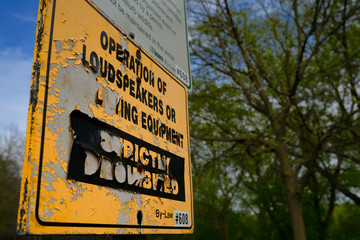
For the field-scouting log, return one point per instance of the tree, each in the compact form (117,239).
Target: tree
(11,155)
(278,80)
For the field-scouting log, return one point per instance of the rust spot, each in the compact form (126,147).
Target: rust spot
(138,80)
(132,35)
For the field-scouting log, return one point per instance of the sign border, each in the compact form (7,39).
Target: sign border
(187,50)
(43,130)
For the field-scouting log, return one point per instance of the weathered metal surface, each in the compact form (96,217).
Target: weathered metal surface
(107,148)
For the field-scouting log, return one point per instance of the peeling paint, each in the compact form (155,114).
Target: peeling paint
(62,81)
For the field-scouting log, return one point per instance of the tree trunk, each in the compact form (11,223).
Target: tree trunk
(296,213)
(293,198)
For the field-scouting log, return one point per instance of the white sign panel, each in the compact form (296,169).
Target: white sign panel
(158,26)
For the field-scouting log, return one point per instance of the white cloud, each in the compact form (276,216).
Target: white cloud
(15,78)
(22,17)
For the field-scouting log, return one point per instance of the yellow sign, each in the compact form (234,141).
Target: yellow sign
(107,149)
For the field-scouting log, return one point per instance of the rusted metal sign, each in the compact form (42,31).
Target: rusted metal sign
(107,149)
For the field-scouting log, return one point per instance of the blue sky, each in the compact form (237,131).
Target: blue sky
(17,39)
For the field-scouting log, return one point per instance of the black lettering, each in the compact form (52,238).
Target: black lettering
(122,107)
(104,40)
(143,120)
(173,136)
(94,61)
(155,107)
(149,123)
(156,126)
(168,134)
(150,100)
(86,63)
(111,45)
(144,92)
(176,138)
(160,185)
(132,64)
(134,115)
(118,79)
(119,53)
(173,115)
(103,67)
(164,130)
(146,74)
(127,109)
(117,107)
(180,137)
(138,93)
(137,66)
(141,70)
(161,110)
(161,126)
(164,87)
(132,88)
(111,75)
(151,78)
(126,82)
(159,85)
(168,112)
(126,58)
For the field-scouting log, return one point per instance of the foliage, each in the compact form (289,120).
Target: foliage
(346,222)
(11,146)
(9,197)
(275,110)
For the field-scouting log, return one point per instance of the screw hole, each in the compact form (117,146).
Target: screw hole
(139,217)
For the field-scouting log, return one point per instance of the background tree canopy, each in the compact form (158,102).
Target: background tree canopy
(11,155)
(275,116)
